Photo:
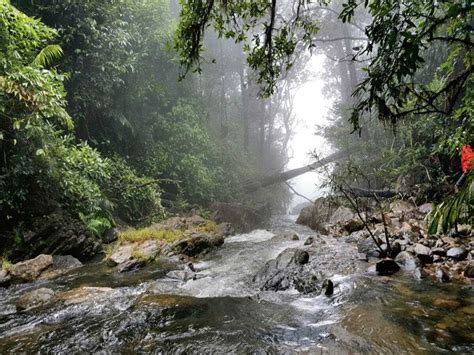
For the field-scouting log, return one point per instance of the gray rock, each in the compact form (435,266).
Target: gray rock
(342,215)
(386,267)
(407,261)
(121,255)
(438,259)
(318,214)
(41,297)
(457,253)
(295,237)
(328,287)
(423,253)
(61,265)
(289,269)
(130,264)
(309,241)
(425,208)
(362,257)
(29,270)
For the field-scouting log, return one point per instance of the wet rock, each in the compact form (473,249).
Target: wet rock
(328,287)
(84,294)
(110,236)
(442,275)
(4,278)
(301,257)
(41,297)
(420,274)
(469,270)
(407,261)
(61,265)
(29,270)
(423,253)
(59,234)
(437,259)
(309,241)
(395,249)
(195,244)
(457,253)
(289,269)
(182,275)
(295,237)
(386,267)
(362,257)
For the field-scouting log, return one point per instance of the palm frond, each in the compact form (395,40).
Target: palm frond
(47,55)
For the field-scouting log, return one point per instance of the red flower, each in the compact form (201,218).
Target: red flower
(467,156)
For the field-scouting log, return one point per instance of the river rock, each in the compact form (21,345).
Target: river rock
(457,253)
(29,270)
(289,269)
(84,294)
(318,214)
(425,208)
(407,261)
(395,249)
(309,241)
(469,270)
(401,206)
(58,234)
(4,278)
(328,287)
(40,297)
(386,267)
(195,244)
(121,255)
(61,265)
(423,253)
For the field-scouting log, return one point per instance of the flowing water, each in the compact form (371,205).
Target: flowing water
(222,311)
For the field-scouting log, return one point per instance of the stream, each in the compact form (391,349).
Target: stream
(222,311)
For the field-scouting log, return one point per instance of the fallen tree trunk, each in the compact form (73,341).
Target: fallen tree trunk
(290,174)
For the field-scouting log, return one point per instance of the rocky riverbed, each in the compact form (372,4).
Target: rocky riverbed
(288,288)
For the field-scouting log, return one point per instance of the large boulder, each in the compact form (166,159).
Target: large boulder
(57,234)
(61,265)
(132,256)
(242,218)
(41,297)
(318,214)
(29,270)
(84,294)
(195,244)
(289,269)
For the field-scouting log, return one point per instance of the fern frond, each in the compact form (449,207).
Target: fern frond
(47,55)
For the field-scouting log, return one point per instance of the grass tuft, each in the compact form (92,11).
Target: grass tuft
(137,235)
(6,264)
